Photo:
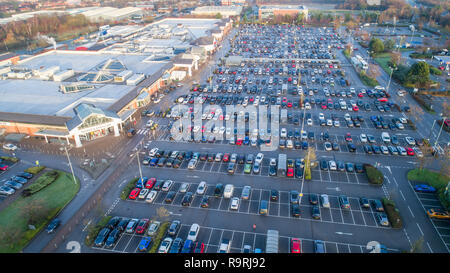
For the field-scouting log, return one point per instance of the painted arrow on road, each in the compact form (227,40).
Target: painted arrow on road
(336,189)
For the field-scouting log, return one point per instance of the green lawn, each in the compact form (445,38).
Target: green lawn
(382,59)
(14,224)
(434,179)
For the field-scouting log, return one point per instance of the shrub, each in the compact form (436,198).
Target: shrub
(35,170)
(374,175)
(368,80)
(11,159)
(94,230)
(435,71)
(40,183)
(128,188)
(392,213)
(159,237)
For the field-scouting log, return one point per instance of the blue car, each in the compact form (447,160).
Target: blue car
(188,247)
(144,244)
(53,225)
(424,188)
(154,161)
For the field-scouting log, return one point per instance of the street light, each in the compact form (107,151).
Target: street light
(70,164)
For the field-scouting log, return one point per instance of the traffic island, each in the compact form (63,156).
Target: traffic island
(392,213)
(439,181)
(374,175)
(26,216)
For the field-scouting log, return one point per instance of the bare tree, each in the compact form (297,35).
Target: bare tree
(35,211)
(373,71)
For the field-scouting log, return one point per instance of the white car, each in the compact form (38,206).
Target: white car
(153,152)
(332,164)
(192,164)
(321,116)
(151,196)
(363,138)
(193,232)
(410,141)
(283,132)
(10,147)
(143,193)
(183,187)
(234,205)
(166,186)
(228,191)
(337,123)
(201,189)
(165,245)
(329,122)
(325,200)
(259,157)
(309,122)
(153,228)
(385,137)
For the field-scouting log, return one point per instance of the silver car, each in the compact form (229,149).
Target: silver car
(5,190)
(246,192)
(153,228)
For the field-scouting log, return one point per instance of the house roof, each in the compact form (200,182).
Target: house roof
(33,119)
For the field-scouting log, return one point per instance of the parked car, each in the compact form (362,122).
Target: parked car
(54,224)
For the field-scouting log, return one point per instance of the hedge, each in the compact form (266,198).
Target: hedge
(374,175)
(435,71)
(40,183)
(392,213)
(35,170)
(128,188)
(159,237)
(371,82)
(12,159)
(93,231)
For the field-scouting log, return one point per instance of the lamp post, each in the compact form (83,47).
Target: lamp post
(70,164)
(440,130)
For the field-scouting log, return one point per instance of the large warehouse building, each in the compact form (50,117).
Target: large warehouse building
(270,11)
(73,96)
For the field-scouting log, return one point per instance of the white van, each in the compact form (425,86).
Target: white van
(228,191)
(385,137)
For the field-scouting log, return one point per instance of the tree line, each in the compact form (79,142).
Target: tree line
(20,34)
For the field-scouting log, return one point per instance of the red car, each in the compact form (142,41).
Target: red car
(290,172)
(239,141)
(289,104)
(324,106)
(251,99)
(3,167)
(134,193)
(355,108)
(348,137)
(296,245)
(226,157)
(199,247)
(360,95)
(409,151)
(142,226)
(382,99)
(150,183)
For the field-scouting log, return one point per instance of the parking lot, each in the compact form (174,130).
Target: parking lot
(211,237)
(321,104)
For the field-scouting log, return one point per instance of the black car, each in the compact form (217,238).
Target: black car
(313,199)
(295,210)
(53,225)
(187,199)
(123,224)
(101,237)
(218,191)
(351,147)
(359,168)
(112,238)
(364,202)
(25,175)
(161,161)
(274,195)
(158,184)
(205,202)
(315,212)
(169,197)
(323,165)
